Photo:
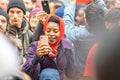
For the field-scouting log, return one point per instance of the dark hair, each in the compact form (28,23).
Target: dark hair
(95,18)
(54,19)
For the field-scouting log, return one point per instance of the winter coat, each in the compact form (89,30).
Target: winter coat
(21,38)
(64,62)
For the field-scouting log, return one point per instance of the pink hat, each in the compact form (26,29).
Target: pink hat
(34,11)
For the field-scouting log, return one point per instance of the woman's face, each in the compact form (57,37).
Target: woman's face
(53,32)
(80,17)
(33,22)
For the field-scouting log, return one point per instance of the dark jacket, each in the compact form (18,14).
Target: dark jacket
(21,37)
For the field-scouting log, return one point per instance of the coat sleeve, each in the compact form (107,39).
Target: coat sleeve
(32,70)
(73,32)
(38,31)
(102,4)
(71,70)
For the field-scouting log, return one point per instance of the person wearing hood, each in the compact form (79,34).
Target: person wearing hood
(17,29)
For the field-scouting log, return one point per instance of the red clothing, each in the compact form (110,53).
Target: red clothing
(83,1)
(89,70)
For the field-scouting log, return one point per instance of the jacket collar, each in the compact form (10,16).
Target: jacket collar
(15,30)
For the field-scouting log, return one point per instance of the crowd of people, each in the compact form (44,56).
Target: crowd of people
(83,40)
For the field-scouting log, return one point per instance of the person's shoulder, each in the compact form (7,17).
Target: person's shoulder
(66,43)
(34,43)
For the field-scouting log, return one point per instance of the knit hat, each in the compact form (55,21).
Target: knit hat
(16,3)
(49,74)
(34,11)
(60,11)
(3,13)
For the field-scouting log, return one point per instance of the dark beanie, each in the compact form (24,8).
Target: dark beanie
(3,13)
(16,3)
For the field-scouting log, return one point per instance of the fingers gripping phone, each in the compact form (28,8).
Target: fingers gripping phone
(45,6)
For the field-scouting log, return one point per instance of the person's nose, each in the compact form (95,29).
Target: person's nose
(15,15)
(52,33)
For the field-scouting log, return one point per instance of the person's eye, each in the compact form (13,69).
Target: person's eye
(33,17)
(48,30)
(12,12)
(18,12)
(56,31)
(3,21)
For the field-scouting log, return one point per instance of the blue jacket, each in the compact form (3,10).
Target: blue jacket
(64,62)
(79,35)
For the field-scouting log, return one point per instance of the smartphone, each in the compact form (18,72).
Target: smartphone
(44,39)
(45,6)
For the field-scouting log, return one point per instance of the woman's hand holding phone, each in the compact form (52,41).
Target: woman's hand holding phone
(43,47)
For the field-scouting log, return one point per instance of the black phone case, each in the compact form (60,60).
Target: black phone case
(45,6)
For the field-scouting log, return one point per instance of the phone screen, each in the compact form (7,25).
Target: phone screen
(45,6)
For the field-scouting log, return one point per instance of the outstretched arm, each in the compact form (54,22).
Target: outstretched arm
(73,32)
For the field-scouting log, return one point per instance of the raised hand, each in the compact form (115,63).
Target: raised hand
(41,16)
